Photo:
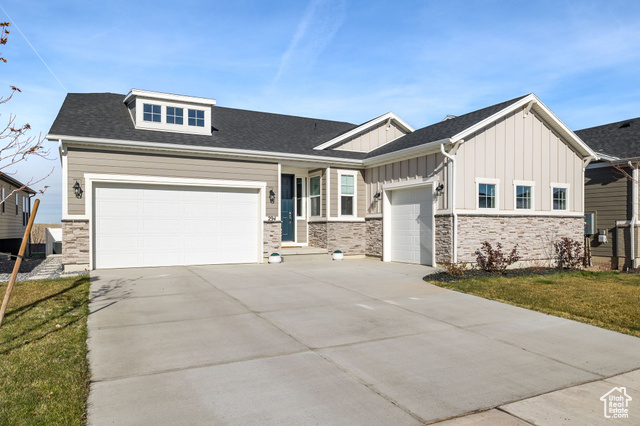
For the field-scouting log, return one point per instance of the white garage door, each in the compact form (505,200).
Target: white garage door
(147,225)
(412,226)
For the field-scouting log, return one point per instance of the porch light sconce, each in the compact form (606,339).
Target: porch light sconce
(439,189)
(377,196)
(77,190)
(272,196)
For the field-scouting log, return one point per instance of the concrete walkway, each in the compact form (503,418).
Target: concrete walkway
(352,342)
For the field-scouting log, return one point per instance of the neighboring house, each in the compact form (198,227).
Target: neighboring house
(611,192)
(14,213)
(176,180)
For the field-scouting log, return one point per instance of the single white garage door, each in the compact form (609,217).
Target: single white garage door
(412,225)
(149,225)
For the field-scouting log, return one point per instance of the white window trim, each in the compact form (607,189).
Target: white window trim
(353,173)
(315,175)
(303,213)
(561,186)
(516,184)
(153,113)
(487,181)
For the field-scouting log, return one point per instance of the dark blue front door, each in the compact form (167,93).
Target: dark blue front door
(288,215)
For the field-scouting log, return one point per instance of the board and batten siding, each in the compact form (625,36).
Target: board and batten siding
(425,166)
(607,194)
(518,147)
(81,161)
(360,192)
(372,139)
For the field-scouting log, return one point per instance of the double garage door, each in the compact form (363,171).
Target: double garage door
(411,227)
(149,225)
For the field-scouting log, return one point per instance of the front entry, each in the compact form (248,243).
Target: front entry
(288,215)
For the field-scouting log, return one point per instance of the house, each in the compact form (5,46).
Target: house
(611,192)
(159,179)
(14,213)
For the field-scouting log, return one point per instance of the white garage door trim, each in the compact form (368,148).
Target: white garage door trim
(91,179)
(387,212)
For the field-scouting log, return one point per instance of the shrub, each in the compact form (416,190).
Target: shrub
(456,269)
(494,260)
(569,253)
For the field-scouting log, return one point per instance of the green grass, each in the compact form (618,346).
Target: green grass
(605,299)
(44,375)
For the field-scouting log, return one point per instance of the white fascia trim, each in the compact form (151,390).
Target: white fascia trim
(245,153)
(168,97)
(353,173)
(531,98)
(363,127)
(427,148)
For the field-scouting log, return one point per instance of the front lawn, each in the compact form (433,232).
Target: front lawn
(44,375)
(605,299)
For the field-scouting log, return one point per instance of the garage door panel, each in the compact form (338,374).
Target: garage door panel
(411,226)
(147,225)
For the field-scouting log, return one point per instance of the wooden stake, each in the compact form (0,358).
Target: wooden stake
(16,266)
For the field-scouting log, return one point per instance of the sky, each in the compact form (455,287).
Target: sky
(330,59)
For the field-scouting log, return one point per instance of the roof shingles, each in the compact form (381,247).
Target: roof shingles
(620,139)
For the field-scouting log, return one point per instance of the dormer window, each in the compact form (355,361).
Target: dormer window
(196,118)
(152,113)
(174,115)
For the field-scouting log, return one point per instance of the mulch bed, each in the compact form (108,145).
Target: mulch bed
(479,273)
(27,265)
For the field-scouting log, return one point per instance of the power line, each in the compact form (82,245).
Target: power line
(34,49)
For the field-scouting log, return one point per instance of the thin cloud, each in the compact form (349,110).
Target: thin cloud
(320,23)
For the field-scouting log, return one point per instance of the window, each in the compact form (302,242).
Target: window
(314,195)
(196,118)
(17,203)
(152,113)
(3,197)
(174,115)
(347,194)
(523,197)
(559,198)
(487,196)
(299,197)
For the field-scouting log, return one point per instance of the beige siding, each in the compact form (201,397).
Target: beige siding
(121,163)
(11,224)
(425,166)
(518,147)
(301,231)
(360,192)
(372,139)
(607,194)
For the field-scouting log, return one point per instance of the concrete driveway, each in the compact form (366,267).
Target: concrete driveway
(352,342)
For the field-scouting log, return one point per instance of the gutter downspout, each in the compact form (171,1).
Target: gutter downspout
(453,196)
(634,212)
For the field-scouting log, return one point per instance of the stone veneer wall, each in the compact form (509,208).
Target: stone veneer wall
(348,237)
(318,234)
(444,238)
(272,238)
(75,242)
(534,235)
(373,246)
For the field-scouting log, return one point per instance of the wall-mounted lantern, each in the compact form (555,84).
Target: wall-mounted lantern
(77,190)
(439,189)
(377,196)
(272,196)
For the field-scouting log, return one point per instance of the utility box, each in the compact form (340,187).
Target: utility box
(589,224)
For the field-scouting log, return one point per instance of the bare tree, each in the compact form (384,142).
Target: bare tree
(16,145)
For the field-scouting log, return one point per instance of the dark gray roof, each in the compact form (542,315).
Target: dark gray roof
(103,115)
(442,130)
(621,139)
(16,183)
